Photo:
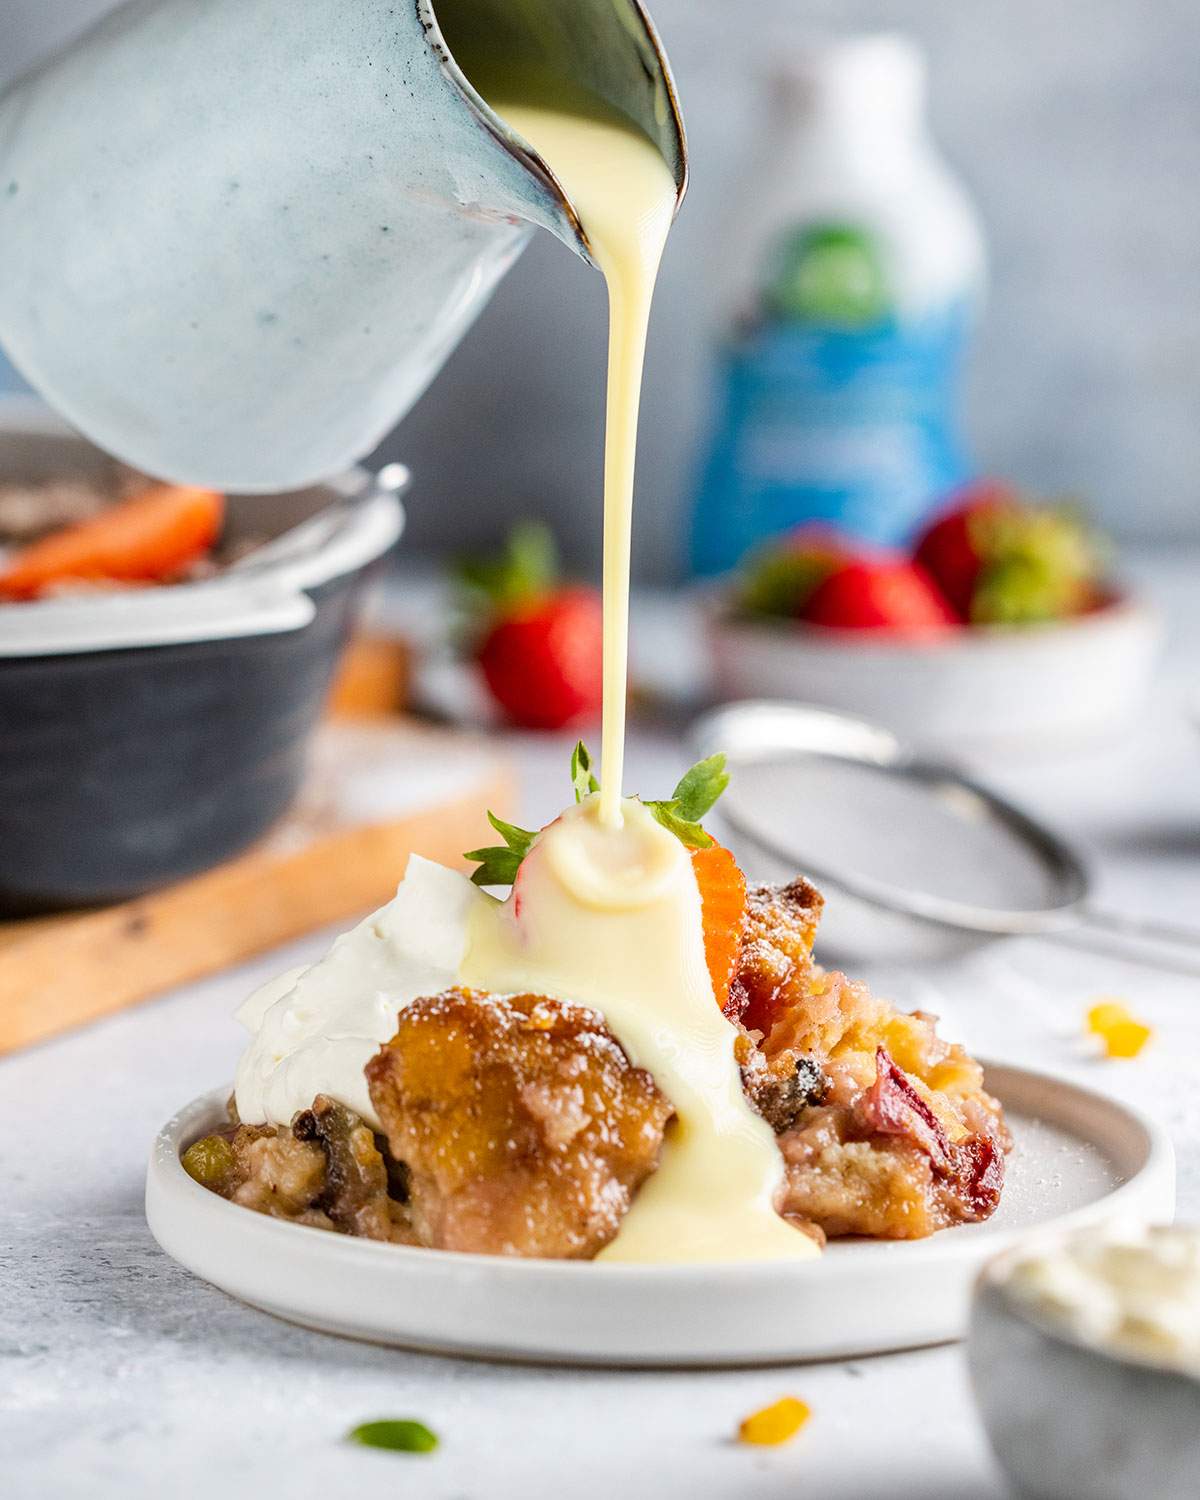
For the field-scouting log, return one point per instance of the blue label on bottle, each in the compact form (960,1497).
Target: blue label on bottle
(854,428)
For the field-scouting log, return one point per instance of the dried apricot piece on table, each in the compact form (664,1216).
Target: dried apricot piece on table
(1121,1032)
(1126,1038)
(1106,1013)
(777,1423)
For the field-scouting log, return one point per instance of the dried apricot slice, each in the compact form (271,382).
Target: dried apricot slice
(723,908)
(1126,1038)
(1121,1032)
(777,1423)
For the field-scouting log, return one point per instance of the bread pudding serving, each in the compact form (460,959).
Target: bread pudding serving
(633,1057)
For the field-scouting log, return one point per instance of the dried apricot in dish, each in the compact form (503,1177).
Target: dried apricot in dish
(148,538)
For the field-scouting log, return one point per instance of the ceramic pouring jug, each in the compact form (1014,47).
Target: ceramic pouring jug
(239,238)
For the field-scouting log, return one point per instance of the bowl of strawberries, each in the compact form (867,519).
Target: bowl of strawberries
(1001,627)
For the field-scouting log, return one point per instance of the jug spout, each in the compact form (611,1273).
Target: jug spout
(608,49)
(238,240)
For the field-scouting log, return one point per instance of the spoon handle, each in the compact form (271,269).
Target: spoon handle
(1140,937)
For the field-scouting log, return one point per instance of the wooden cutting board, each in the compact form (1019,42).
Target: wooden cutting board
(377,793)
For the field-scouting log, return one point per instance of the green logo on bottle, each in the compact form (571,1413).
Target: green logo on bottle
(828,274)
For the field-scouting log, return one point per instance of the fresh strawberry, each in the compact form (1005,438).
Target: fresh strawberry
(952,549)
(884,594)
(1000,560)
(723,908)
(720,882)
(777,580)
(543,662)
(695,794)
(540,642)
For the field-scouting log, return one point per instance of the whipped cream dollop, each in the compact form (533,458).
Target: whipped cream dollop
(314,1029)
(1130,1288)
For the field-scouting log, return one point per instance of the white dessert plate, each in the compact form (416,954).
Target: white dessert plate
(1079,1157)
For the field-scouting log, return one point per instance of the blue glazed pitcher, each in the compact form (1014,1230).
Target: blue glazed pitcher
(238,238)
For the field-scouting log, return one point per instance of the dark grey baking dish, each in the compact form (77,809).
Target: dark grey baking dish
(146,736)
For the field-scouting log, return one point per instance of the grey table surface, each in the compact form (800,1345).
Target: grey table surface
(122,1375)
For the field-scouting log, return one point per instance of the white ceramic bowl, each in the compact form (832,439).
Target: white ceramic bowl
(1069,1420)
(986,687)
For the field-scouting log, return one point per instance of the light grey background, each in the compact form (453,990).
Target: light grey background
(1077,126)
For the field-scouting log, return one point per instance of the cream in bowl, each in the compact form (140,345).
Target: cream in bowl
(1085,1359)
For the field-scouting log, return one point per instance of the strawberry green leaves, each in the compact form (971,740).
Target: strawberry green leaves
(499,863)
(701,788)
(696,795)
(582,779)
(680,814)
(526,568)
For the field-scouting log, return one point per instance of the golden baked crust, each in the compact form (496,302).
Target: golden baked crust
(886,1129)
(524,1127)
(776,952)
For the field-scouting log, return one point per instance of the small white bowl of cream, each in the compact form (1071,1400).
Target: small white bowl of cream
(1084,1353)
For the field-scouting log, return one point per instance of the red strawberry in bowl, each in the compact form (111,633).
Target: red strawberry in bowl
(540,642)
(882,593)
(1000,560)
(952,547)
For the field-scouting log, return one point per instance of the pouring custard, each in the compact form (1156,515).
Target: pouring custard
(610,912)
(631,1055)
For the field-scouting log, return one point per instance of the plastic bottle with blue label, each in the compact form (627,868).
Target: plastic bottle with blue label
(861,264)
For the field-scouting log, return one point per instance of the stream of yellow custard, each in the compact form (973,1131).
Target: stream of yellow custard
(610,918)
(609,913)
(625,196)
